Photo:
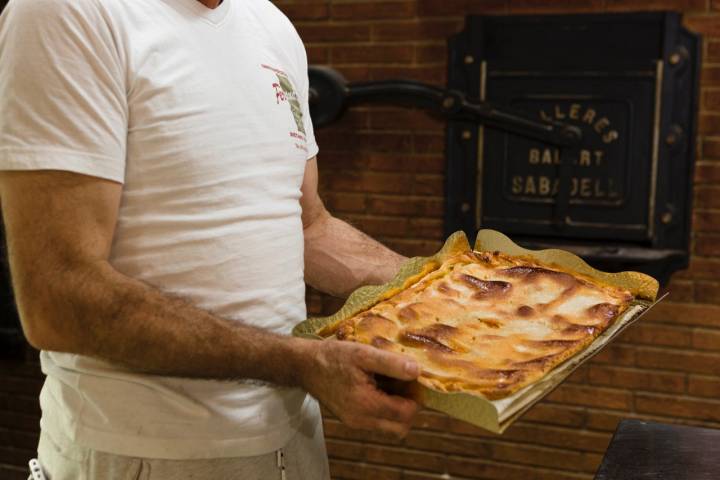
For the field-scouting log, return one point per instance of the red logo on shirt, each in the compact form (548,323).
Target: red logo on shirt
(285,91)
(279,94)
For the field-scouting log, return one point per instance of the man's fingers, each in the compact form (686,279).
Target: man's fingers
(390,364)
(394,408)
(367,407)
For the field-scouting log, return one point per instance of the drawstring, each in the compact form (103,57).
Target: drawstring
(36,472)
(281,464)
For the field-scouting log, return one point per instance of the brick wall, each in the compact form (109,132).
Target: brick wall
(382,169)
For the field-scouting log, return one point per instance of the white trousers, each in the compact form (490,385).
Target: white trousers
(303,458)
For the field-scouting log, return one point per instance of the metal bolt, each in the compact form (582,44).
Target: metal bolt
(674,135)
(469,59)
(448,102)
(466,135)
(465,207)
(679,56)
(666,217)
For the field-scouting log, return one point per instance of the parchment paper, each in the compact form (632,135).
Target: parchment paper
(497,415)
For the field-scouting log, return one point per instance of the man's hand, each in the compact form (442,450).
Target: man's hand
(338,259)
(341,376)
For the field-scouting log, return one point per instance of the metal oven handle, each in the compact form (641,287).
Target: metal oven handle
(330,94)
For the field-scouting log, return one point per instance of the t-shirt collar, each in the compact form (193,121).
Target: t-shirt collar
(213,15)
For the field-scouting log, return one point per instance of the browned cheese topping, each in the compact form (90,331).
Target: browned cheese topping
(488,323)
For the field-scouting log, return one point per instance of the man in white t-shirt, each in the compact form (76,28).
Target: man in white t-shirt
(159,193)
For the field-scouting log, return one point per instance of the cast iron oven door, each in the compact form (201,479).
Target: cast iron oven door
(564,131)
(622,197)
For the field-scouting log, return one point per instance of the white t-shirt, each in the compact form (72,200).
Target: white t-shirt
(202,115)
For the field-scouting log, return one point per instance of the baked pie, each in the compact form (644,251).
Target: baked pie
(487,322)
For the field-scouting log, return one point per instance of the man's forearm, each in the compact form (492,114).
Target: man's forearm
(59,230)
(339,258)
(99,312)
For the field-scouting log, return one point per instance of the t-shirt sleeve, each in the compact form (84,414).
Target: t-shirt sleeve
(63,102)
(304,82)
(312,145)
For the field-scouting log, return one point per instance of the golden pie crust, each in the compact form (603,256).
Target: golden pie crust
(486,322)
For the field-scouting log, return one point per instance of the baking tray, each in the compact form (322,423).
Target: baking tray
(495,415)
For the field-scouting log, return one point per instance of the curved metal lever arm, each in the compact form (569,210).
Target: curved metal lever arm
(330,95)
(456,106)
